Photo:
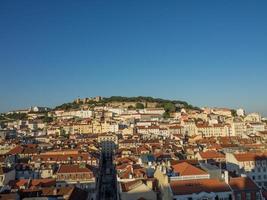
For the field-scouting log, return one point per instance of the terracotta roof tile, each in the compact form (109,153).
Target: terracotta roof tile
(211,154)
(127,186)
(242,183)
(241,157)
(198,186)
(73,169)
(185,169)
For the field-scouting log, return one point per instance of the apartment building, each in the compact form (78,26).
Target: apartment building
(254,127)
(216,130)
(253,165)
(238,128)
(211,189)
(79,175)
(108,142)
(189,127)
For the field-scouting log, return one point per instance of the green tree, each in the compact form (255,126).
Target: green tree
(130,107)
(139,106)
(47,119)
(169,107)
(17,116)
(234,113)
(166,115)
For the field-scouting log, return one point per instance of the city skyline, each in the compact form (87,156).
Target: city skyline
(81,99)
(206,53)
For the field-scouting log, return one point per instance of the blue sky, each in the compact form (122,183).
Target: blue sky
(209,53)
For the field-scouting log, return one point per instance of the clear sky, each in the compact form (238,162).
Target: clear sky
(209,53)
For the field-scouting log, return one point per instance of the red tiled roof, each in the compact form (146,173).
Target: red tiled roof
(62,157)
(241,157)
(57,192)
(16,150)
(126,160)
(211,154)
(124,174)
(28,149)
(185,169)
(198,186)
(46,182)
(191,162)
(18,183)
(242,183)
(73,169)
(127,186)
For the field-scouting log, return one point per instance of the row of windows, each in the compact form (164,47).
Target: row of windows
(261,184)
(75,176)
(248,196)
(257,163)
(259,169)
(259,177)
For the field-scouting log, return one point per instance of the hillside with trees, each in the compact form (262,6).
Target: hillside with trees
(168,105)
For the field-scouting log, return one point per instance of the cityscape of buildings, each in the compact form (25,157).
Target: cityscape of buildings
(138,148)
(60,141)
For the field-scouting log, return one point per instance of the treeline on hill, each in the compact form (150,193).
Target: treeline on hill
(168,105)
(22,116)
(160,102)
(11,117)
(16,116)
(68,106)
